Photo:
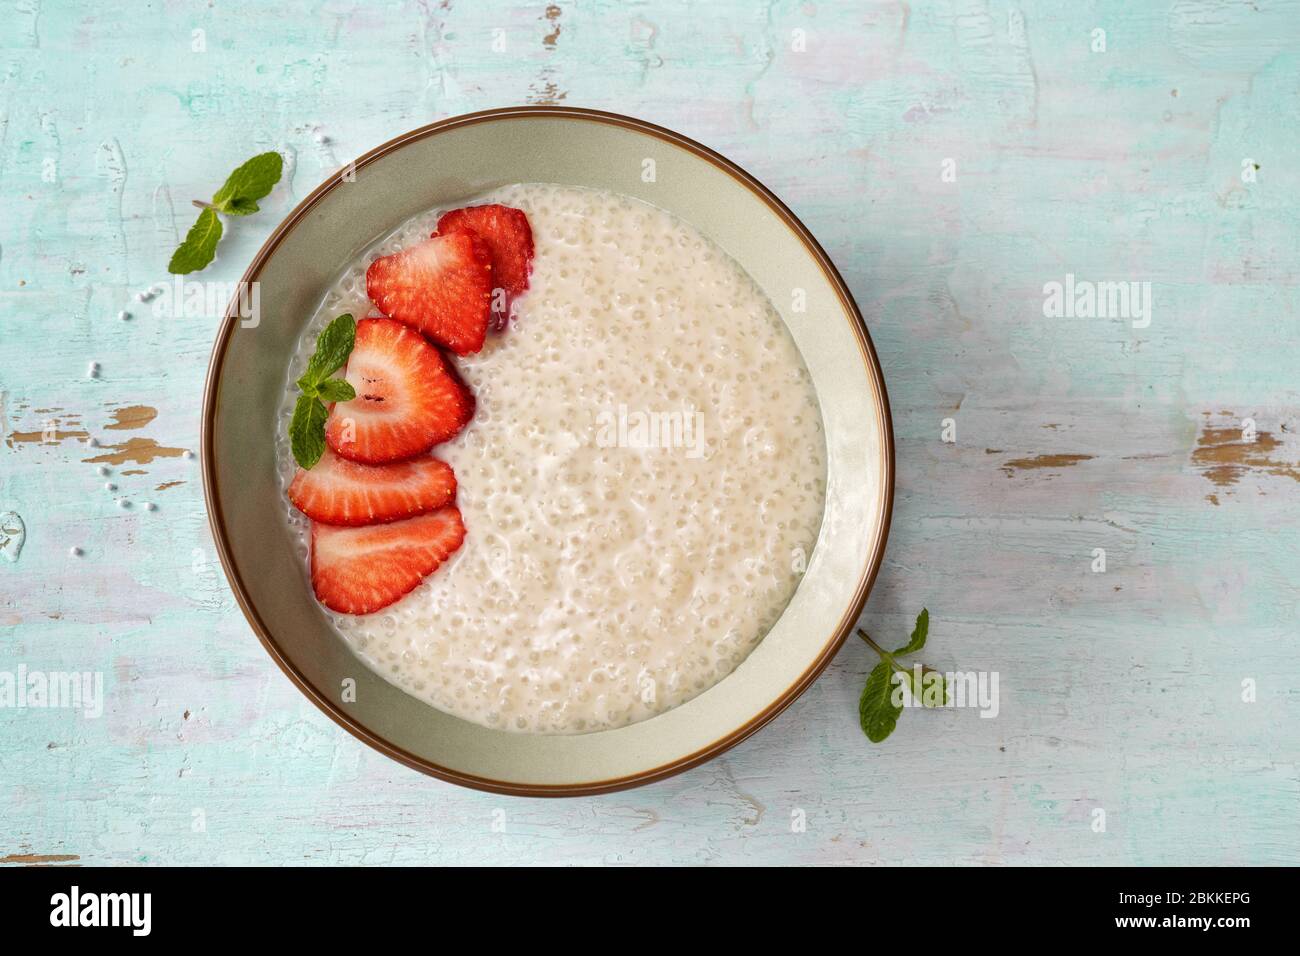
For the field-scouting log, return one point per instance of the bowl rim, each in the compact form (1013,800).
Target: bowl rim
(680,764)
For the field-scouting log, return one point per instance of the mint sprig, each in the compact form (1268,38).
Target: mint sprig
(237,197)
(878,711)
(307,428)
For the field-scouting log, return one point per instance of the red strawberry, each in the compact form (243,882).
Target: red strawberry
(442,286)
(360,570)
(409,398)
(338,491)
(510,240)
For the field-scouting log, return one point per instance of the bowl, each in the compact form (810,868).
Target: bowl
(457,159)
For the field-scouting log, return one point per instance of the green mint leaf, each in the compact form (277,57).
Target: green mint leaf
(240,207)
(877,712)
(333,346)
(199,247)
(336,390)
(249,183)
(307,431)
(919,633)
(238,197)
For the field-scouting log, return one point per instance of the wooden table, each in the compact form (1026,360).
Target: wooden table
(955,159)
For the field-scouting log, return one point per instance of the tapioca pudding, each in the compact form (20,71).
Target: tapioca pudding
(641,484)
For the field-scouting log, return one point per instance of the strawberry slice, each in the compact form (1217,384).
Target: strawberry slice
(409,398)
(509,238)
(360,570)
(442,286)
(338,491)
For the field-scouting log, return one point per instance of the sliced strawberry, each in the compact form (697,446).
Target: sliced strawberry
(338,491)
(442,286)
(409,398)
(360,570)
(510,240)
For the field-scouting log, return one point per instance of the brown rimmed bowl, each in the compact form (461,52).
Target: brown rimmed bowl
(456,159)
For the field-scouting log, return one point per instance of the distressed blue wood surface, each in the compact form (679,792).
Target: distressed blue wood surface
(1120,691)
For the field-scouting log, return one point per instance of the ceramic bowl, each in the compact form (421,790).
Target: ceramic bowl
(457,159)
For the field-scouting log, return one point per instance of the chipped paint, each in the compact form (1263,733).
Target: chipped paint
(52,437)
(552,15)
(132,416)
(1225,457)
(39,859)
(1043,461)
(168,484)
(546,92)
(142,451)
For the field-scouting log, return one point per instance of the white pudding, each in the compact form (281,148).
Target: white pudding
(641,485)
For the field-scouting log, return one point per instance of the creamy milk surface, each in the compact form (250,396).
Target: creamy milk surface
(642,482)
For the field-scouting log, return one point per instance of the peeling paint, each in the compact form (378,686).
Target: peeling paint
(39,859)
(168,484)
(132,416)
(1224,457)
(52,437)
(546,93)
(552,14)
(1043,461)
(139,450)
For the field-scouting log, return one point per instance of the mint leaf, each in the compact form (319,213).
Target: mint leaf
(917,640)
(307,431)
(238,197)
(240,207)
(336,390)
(249,183)
(199,247)
(333,346)
(877,712)
(307,428)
